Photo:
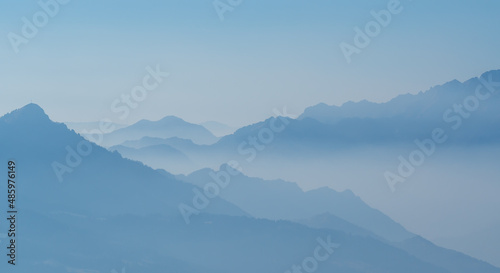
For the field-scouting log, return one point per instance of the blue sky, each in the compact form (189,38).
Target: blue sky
(264,55)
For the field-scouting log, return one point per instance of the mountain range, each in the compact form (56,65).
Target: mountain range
(323,130)
(167,127)
(354,145)
(108,213)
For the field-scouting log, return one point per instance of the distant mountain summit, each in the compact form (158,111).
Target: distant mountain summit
(167,127)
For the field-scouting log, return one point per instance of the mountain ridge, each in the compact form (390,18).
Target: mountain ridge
(167,127)
(103,201)
(330,113)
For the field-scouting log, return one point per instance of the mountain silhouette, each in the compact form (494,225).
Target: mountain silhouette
(110,212)
(167,127)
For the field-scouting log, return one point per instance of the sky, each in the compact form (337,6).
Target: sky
(263,55)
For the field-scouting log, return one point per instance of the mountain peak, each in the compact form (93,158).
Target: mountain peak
(495,74)
(30,112)
(172,119)
(32,107)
